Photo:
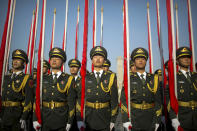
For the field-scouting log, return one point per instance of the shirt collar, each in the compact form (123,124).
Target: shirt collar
(184,72)
(17,73)
(58,74)
(139,74)
(101,72)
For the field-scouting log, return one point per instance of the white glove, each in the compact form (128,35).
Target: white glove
(156,127)
(111,126)
(68,126)
(23,124)
(127,125)
(175,123)
(81,124)
(36,125)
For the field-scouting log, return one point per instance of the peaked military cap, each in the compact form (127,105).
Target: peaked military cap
(19,54)
(74,63)
(107,63)
(57,52)
(183,51)
(139,52)
(46,64)
(158,72)
(98,50)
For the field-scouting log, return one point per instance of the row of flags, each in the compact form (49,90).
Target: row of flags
(172,44)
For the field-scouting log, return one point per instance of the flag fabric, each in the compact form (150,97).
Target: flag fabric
(101,41)
(39,66)
(3,42)
(84,57)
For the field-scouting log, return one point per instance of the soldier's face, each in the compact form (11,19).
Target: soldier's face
(17,63)
(98,60)
(74,70)
(184,61)
(45,70)
(105,68)
(56,63)
(140,63)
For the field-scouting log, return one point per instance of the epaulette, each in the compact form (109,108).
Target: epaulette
(91,73)
(179,73)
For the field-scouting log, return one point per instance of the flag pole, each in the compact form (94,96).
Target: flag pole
(77,34)
(6,44)
(30,43)
(101,42)
(191,38)
(31,63)
(149,40)
(177,27)
(10,35)
(65,34)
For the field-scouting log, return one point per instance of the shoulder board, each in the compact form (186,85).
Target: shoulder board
(179,73)
(91,73)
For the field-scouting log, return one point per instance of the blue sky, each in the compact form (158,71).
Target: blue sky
(113,28)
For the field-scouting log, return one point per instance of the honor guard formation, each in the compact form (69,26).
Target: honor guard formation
(61,95)
(40,95)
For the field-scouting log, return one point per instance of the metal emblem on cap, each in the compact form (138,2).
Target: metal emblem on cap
(74,61)
(17,52)
(184,50)
(140,51)
(56,50)
(98,49)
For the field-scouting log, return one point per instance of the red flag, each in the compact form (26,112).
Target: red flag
(39,71)
(3,42)
(84,60)
(125,79)
(171,75)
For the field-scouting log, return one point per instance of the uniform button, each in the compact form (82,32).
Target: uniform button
(8,85)
(97,94)
(53,86)
(97,86)
(192,93)
(144,94)
(96,101)
(143,87)
(52,93)
(8,92)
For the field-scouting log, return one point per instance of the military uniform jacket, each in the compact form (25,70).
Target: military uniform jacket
(187,92)
(61,92)
(103,92)
(17,97)
(142,93)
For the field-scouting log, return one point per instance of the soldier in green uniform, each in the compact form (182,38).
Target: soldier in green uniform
(17,94)
(132,67)
(46,67)
(186,93)
(101,95)
(107,65)
(145,97)
(75,65)
(58,102)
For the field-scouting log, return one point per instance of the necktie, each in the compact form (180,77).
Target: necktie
(142,78)
(98,77)
(188,77)
(13,75)
(55,78)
